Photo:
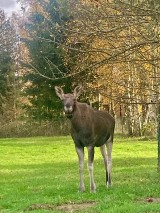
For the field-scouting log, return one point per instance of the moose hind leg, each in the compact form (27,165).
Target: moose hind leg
(104,155)
(109,161)
(80,153)
(90,168)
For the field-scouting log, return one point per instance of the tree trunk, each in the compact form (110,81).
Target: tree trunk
(158,137)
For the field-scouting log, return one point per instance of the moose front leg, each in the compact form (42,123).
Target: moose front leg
(80,153)
(90,168)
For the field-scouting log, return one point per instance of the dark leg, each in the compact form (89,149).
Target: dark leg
(106,178)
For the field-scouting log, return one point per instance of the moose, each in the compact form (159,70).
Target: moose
(89,128)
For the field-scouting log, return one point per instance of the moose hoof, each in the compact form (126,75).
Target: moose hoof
(82,189)
(93,189)
(108,185)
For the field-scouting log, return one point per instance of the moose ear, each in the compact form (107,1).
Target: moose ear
(59,92)
(77,91)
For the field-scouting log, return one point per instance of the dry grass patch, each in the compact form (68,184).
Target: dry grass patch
(152,199)
(66,207)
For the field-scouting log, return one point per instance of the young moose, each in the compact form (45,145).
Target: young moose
(89,128)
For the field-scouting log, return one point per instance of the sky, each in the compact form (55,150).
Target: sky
(9,6)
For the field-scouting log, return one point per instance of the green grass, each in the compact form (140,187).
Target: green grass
(44,170)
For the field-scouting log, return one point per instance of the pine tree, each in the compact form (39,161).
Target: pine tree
(46,65)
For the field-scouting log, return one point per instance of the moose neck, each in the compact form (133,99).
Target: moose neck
(80,115)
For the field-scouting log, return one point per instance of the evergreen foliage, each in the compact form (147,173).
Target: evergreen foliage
(7,75)
(47,59)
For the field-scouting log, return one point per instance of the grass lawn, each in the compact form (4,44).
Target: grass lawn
(41,175)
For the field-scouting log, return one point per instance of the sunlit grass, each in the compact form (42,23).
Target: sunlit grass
(45,170)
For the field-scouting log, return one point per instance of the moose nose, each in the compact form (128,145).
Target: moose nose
(67,105)
(68,108)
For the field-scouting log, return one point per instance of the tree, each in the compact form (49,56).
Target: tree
(7,69)
(158,130)
(114,38)
(46,61)
(100,41)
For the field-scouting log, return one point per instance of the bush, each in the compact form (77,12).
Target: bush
(150,129)
(34,128)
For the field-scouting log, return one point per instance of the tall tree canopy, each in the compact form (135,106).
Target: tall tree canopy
(118,43)
(46,62)
(111,47)
(7,72)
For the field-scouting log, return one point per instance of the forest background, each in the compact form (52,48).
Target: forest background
(110,47)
